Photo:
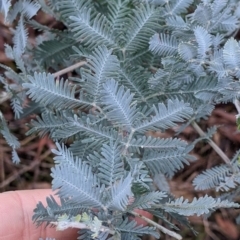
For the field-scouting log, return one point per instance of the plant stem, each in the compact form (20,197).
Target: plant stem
(212,143)
(129,140)
(237,105)
(69,69)
(161,228)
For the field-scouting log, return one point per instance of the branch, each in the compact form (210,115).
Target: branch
(237,105)
(161,228)
(70,68)
(129,140)
(212,143)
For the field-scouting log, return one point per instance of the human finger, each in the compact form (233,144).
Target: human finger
(16,211)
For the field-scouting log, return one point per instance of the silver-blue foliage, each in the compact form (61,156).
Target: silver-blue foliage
(139,67)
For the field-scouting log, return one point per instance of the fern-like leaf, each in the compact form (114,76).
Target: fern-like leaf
(26,8)
(176,22)
(187,51)
(110,168)
(44,89)
(17,107)
(147,200)
(231,54)
(142,26)
(63,156)
(47,124)
(54,209)
(77,125)
(78,183)
(200,206)
(120,193)
(204,40)
(176,111)
(132,227)
(229,182)
(93,32)
(118,11)
(67,8)
(9,137)
(52,52)
(212,178)
(163,44)
(4,8)
(168,161)
(20,38)
(157,143)
(136,80)
(117,102)
(102,66)
(177,7)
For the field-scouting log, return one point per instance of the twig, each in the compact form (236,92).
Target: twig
(26,168)
(212,143)
(237,105)
(129,140)
(70,68)
(161,228)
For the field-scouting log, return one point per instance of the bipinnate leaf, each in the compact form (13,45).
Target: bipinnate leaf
(132,227)
(4,8)
(44,89)
(203,39)
(163,44)
(20,38)
(200,206)
(231,53)
(111,165)
(166,116)
(118,103)
(77,183)
(120,193)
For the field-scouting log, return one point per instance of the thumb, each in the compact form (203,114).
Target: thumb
(16,211)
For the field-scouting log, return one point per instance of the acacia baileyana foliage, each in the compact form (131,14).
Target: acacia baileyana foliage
(138,66)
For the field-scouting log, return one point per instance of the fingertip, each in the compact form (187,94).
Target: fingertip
(16,211)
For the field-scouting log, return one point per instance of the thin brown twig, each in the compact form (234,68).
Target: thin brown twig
(237,105)
(27,168)
(69,69)
(211,143)
(161,228)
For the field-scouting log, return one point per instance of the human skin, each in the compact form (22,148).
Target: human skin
(16,211)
